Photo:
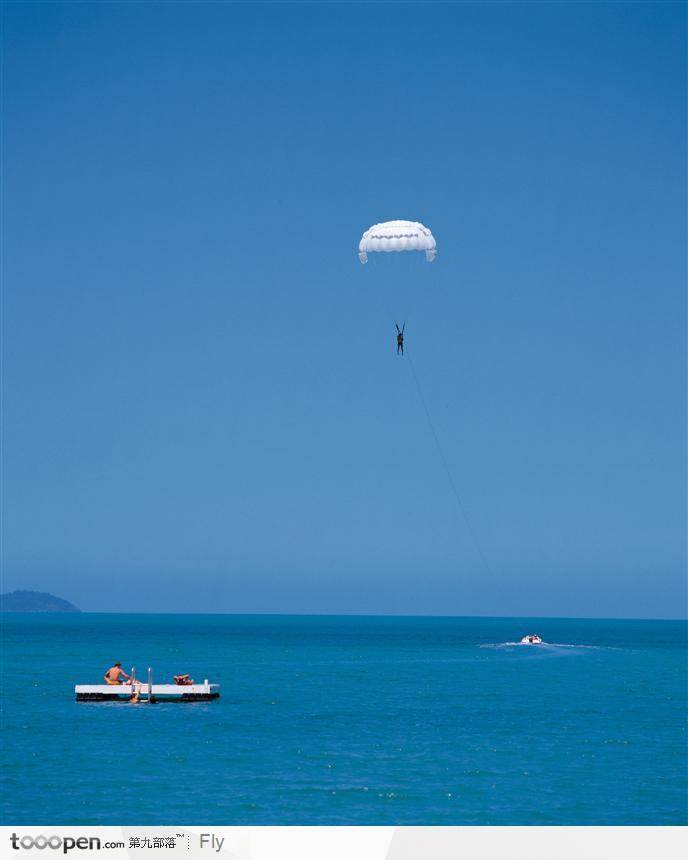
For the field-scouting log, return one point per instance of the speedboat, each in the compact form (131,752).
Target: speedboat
(531,639)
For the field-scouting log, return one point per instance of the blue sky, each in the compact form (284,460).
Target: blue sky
(203,408)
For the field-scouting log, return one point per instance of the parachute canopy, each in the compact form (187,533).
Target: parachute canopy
(397,236)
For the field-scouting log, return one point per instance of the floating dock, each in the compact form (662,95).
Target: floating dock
(148,692)
(157,692)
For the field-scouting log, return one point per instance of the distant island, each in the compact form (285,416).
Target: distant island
(34,601)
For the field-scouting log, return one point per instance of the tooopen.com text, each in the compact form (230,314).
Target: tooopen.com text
(58,843)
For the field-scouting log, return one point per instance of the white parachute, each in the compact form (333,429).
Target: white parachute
(397,236)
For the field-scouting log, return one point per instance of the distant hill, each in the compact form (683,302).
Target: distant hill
(34,601)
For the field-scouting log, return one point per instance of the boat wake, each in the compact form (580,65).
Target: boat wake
(541,646)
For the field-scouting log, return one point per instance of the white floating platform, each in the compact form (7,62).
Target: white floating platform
(158,692)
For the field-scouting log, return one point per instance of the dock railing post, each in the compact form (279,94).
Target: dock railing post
(150,685)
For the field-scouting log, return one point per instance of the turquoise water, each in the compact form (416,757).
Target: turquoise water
(348,720)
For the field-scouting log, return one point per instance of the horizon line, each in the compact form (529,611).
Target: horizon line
(344,614)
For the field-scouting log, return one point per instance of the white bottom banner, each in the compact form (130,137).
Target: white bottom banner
(347,843)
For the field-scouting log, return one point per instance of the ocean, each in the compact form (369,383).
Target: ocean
(347,720)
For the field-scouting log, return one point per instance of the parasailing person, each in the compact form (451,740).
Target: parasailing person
(395,236)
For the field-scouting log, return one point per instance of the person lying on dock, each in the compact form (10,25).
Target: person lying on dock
(114,675)
(183,680)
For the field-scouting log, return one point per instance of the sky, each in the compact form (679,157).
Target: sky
(203,409)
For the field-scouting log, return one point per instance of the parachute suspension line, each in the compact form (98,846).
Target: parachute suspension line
(445,464)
